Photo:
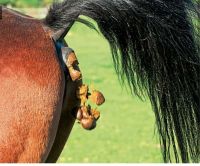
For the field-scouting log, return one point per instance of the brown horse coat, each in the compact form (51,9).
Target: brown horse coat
(32,85)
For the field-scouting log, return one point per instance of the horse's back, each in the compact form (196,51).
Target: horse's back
(31,86)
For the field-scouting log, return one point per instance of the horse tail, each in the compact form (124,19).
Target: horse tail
(155,46)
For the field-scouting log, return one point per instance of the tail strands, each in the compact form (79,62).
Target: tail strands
(155,46)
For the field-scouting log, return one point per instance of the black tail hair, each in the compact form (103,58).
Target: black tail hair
(155,45)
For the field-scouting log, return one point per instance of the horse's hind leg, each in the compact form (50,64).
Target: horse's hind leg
(29,114)
(29,126)
(65,124)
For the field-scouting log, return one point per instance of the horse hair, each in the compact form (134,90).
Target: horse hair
(155,46)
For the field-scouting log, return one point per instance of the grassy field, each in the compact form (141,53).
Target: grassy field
(126,129)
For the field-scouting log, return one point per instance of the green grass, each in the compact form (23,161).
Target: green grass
(126,130)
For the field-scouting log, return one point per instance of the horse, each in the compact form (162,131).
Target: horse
(155,48)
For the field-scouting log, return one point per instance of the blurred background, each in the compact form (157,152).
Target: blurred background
(26,3)
(126,130)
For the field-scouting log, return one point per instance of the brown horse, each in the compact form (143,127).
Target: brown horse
(154,45)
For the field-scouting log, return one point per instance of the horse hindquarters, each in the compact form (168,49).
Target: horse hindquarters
(31,87)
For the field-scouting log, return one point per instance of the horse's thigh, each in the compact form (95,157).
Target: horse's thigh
(29,116)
